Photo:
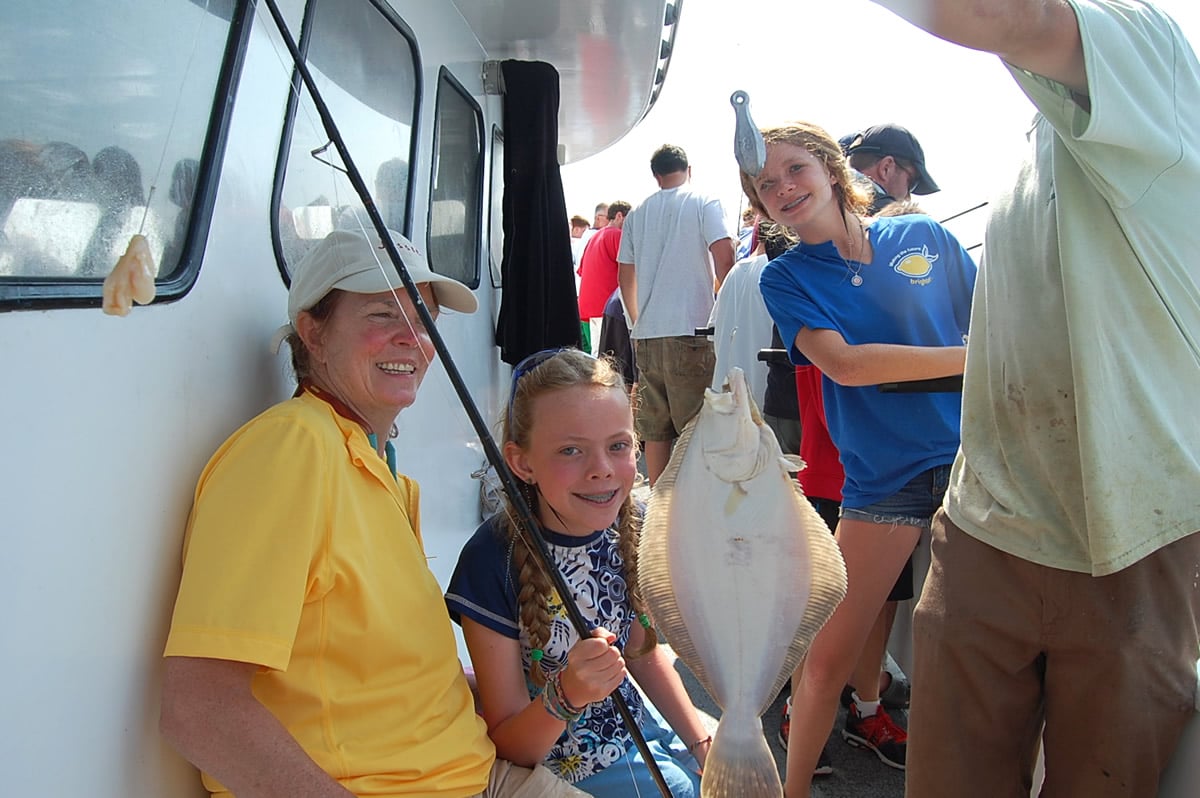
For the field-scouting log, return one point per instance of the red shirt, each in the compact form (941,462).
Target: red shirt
(598,272)
(823,476)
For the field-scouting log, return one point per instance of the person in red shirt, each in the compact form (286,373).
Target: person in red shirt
(598,269)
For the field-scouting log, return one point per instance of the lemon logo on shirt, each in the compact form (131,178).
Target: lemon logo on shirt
(916,264)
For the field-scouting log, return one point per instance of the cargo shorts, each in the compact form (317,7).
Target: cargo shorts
(672,375)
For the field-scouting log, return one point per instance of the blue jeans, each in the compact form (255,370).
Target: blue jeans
(675,763)
(912,505)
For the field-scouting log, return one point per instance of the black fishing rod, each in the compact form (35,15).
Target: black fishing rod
(507,480)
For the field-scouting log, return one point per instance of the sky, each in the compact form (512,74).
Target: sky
(844,64)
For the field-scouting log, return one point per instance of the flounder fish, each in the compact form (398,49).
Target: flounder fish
(740,573)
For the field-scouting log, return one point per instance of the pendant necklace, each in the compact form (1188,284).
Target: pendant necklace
(855,278)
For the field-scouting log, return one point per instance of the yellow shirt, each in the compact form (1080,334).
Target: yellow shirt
(303,555)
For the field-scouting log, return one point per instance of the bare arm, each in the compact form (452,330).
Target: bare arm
(627,280)
(211,716)
(655,673)
(722,255)
(522,730)
(1041,36)
(871,364)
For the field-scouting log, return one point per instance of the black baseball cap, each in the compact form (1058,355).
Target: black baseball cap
(897,142)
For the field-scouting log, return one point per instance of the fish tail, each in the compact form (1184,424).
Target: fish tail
(740,764)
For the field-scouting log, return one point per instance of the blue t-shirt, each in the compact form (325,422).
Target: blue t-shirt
(484,588)
(917,291)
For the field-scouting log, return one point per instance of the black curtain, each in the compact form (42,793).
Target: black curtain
(538,309)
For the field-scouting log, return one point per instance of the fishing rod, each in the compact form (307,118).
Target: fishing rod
(507,480)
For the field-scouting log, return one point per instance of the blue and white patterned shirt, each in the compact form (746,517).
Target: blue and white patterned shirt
(484,588)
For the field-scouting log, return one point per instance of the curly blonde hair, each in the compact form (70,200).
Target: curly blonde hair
(851,195)
(567,368)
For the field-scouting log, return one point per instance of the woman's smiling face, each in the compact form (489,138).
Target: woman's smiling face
(581,456)
(374,353)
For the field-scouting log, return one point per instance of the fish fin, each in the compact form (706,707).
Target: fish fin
(740,764)
(792,463)
(826,590)
(654,571)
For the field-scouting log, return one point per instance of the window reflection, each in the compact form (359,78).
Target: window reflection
(364,66)
(100,101)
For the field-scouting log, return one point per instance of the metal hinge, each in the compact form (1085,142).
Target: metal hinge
(493,78)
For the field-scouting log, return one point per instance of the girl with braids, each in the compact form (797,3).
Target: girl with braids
(568,436)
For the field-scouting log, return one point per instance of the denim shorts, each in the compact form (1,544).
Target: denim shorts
(912,505)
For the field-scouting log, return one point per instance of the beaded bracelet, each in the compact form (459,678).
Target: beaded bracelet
(692,748)
(555,701)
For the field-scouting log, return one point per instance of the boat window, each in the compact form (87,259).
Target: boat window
(364,63)
(455,201)
(496,207)
(111,119)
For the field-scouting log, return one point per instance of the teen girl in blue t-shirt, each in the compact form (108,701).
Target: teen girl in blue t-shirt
(867,302)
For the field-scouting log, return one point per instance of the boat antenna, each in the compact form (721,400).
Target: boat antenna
(507,480)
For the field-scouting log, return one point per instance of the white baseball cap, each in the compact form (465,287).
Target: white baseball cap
(349,261)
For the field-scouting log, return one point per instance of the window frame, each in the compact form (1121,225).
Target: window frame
(45,293)
(446,78)
(289,122)
(495,254)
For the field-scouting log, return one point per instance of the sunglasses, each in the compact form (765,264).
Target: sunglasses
(527,365)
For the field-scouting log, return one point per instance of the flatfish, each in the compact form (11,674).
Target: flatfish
(740,573)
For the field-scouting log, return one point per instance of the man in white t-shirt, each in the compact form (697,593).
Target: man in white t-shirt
(675,251)
(1063,587)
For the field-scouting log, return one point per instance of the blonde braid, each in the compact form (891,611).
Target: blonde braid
(533,600)
(533,596)
(629,531)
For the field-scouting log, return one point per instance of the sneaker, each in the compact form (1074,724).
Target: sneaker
(824,764)
(878,733)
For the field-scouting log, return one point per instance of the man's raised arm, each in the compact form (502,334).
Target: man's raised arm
(1041,36)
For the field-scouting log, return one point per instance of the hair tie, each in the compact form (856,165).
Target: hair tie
(644,620)
(536,655)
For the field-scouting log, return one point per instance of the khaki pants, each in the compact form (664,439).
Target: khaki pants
(1101,669)
(512,781)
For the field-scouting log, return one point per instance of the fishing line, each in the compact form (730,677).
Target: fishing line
(162,158)
(507,480)
(334,181)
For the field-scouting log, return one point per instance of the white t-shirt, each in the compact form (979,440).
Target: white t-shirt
(742,326)
(1081,427)
(666,238)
